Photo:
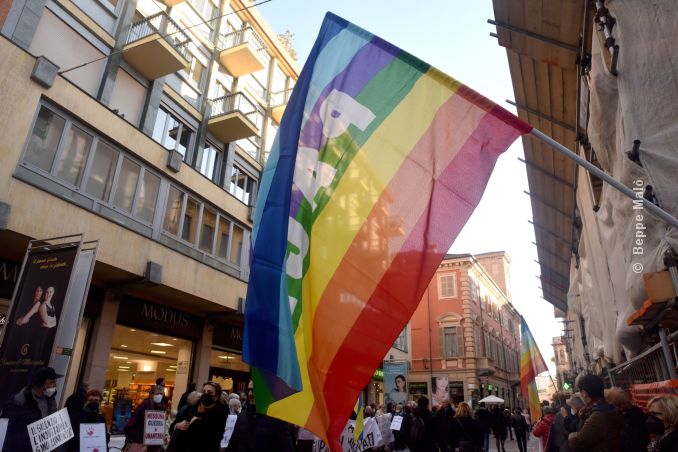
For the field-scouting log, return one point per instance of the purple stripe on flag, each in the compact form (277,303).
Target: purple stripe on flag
(364,66)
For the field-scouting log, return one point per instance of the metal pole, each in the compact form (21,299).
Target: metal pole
(591,168)
(666,350)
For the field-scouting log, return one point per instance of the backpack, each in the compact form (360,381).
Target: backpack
(417,429)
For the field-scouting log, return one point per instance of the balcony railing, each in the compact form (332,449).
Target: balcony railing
(280,98)
(163,25)
(244,36)
(234,117)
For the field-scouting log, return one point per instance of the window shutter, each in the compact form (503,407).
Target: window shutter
(460,342)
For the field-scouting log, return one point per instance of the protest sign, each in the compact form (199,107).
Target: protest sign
(50,432)
(370,438)
(154,428)
(396,423)
(93,437)
(228,430)
(384,423)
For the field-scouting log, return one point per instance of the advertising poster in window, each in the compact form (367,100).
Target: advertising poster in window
(34,316)
(440,393)
(395,382)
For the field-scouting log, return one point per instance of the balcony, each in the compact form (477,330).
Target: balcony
(243,52)
(233,117)
(485,367)
(278,102)
(172,2)
(156,46)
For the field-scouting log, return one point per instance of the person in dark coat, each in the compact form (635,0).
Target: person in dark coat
(507,421)
(402,437)
(520,428)
(134,430)
(485,421)
(498,428)
(428,440)
(466,430)
(204,426)
(89,414)
(255,432)
(31,404)
(443,427)
(182,400)
(634,436)
(76,401)
(572,421)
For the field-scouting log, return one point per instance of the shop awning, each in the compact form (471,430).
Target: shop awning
(542,41)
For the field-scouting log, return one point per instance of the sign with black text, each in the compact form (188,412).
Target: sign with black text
(154,428)
(50,432)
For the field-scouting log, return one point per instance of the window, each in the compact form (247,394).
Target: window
(401,341)
(447,286)
(127,184)
(223,235)
(80,160)
(209,161)
(476,333)
(209,221)
(45,138)
(170,132)
(73,156)
(236,244)
(102,171)
(208,9)
(241,185)
(173,210)
(196,71)
(190,223)
(453,342)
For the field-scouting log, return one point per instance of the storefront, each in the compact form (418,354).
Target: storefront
(456,390)
(226,365)
(150,343)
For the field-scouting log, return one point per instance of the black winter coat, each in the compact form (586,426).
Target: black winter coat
(484,418)
(634,437)
(256,432)
(428,442)
(205,433)
(21,410)
(468,437)
(83,417)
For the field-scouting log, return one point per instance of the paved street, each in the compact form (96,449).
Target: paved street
(512,446)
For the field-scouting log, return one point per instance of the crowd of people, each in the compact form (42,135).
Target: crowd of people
(591,420)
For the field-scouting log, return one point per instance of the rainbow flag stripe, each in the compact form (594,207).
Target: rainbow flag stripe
(531,365)
(379,161)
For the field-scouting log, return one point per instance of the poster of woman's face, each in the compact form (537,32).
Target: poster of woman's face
(440,391)
(395,382)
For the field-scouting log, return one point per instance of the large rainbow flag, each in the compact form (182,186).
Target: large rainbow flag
(379,162)
(531,365)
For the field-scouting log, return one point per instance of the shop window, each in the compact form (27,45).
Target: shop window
(137,359)
(45,138)
(228,369)
(447,285)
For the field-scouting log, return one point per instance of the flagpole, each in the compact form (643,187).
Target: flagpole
(591,168)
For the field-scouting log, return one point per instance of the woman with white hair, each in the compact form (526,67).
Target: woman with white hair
(234,405)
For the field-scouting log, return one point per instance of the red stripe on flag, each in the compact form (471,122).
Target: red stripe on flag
(456,193)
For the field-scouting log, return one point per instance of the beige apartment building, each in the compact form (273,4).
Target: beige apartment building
(143,125)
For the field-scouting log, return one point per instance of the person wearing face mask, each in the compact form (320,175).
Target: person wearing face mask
(89,414)
(602,423)
(256,432)
(204,426)
(134,430)
(662,423)
(31,404)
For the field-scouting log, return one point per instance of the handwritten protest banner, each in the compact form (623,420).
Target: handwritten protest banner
(154,428)
(396,423)
(50,432)
(371,437)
